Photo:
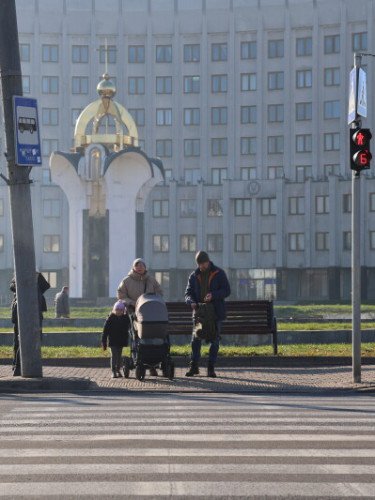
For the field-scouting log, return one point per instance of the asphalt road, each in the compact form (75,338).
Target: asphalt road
(97,445)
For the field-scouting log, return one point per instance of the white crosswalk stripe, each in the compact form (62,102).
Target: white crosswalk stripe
(163,446)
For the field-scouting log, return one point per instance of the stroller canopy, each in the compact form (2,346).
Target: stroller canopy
(151,308)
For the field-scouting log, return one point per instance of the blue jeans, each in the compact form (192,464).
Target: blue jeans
(196,344)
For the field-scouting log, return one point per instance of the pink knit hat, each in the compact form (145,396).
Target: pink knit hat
(119,306)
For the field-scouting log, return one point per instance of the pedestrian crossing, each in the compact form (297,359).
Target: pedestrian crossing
(101,445)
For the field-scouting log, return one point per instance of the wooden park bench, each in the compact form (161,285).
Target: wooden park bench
(244,317)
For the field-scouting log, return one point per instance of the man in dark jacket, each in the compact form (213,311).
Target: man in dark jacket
(207,284)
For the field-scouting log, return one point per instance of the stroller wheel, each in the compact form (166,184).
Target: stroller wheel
(126,367)
(140,372)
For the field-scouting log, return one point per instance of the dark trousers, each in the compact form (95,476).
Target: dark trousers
(116,358)
(196,345)
(16,350)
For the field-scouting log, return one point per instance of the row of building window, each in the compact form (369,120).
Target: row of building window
(218,115)
(214,242)
(191,83)
(242,206)
(192,52)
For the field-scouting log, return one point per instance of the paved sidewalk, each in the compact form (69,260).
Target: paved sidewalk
(284,379)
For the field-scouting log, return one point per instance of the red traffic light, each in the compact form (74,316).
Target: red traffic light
(362,137)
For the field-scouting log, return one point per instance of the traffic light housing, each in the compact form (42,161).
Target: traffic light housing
(360,155)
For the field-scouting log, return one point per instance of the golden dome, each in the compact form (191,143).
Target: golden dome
(106,88)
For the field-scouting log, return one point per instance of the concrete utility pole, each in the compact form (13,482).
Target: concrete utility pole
(20,199)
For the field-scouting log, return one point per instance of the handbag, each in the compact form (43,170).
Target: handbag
(204,322)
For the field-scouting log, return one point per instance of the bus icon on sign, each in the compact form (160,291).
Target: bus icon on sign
(25,123)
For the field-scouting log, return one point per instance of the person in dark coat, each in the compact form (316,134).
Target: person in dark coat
(43,286)
(207,284)
(115,335)
(62,309)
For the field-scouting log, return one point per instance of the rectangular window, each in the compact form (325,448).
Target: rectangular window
(248,82)
(303,143)
(347,240)
(51,243)
(160,243)
(347,203)
(275,113)
(214,242)
(242,206)
(164,53)
(359,41)
(248,173)
(275,144)
(304,46)
(164,148)
(51,277)
(192,53)
(219,116)
(80,85)
(214,208)
(268,242)
(188,208)
(303,172)
(331,77)
(248,145)
(322,204)
(331,109)
(25,84)
(192,176)
(275,80)
(275,48)
(136,54)
(80,53)
(321,241)
(46,177)
(303,111)
(136,85)
(160,208)
(219,52)
(107,54)
(49,146)
(192,84)
(164,116)
(372,202)
(372,240)
(296,205)
(164,85)
(192,116)
(192,147)
(248,50)
(248,114)
(296,242)
(331,169)
(51,208)
(139,116)
(332,44)
(1,243)
(275,172)
(188,243)
(50,84)
(50,53)
(50,116)
(1,207)
(303,78)
(75,112)
(242,242)
(332,142)
(218,175)
(219,146)
(219,83)
(25,52)
(268,206)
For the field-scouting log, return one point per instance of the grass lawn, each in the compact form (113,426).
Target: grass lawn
(368,350)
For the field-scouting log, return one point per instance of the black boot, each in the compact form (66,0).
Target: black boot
(193,370)
(211,371)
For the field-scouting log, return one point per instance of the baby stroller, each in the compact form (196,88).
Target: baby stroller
(149,338)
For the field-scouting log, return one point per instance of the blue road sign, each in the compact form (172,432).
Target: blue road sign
(26,131)
(352,107)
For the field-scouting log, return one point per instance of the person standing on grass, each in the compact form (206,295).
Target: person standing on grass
(62,309)
(208,284)
(115,336)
